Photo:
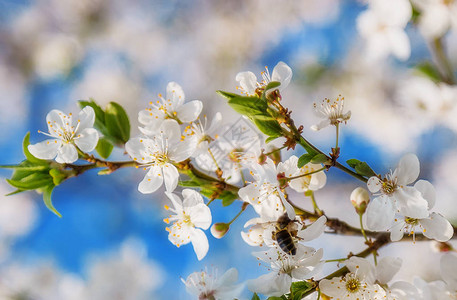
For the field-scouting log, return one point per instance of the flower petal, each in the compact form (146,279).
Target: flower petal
(386,269)
(191,198)
(282,73)
(190,111)
(183,149)
(170,177)
(152,181)
(67,154)
(362,267)
(55,121)
(321,125)
(46,149)
(200,243)
(380,213)
(200,216)
(87,140)
(397,230)
(314,230)
(448,265)
(86,118)
(171,131)
(289,208)
(408,169)
(374,184)
(333,287)
(175,94)
(428,192)
(410,202)
(437,227)
(248,82)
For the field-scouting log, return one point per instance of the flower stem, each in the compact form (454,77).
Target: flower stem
(337,126)
(362,229)
(316,208)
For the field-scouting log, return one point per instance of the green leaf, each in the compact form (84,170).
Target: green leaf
(277,298)
(255,297)
(32,181)
(270,128)
(15,192)
(189,183)
(269,86)
(28,155)
(300,287)
(319,158)
(117,123)
(104,148)
(308,148)
(304,159)
(207,192)
(57,176)
(21,167)
(104,172)
(99,114)
(227,94)
(249,106)
(429,70)
(227,198)
(271,138)
(47,192)
(361,167)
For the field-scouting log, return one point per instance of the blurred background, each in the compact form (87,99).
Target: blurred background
(111,242)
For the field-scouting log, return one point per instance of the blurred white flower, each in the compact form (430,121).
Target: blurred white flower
(285,269)
(190,214)
(158,155)
(250,86)
(331,111)
(382,26)
(203,133)
(448,264)
(124,274)
(211,287)
(66,133)
(436,17)
(171,107)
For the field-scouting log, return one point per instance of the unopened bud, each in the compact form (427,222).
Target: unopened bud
(360,199)
(218,230)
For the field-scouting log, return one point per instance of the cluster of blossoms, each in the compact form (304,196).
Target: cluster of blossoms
(174,138)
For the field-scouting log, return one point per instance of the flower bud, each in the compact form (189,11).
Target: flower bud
(218,230)
(442,247)
(360,199)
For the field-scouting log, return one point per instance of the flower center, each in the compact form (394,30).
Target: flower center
(186,219)
(388,187)
(411,221)
(160,158)
(352,284)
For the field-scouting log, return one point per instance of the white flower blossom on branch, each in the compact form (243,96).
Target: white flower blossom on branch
(331,111)
(66,134)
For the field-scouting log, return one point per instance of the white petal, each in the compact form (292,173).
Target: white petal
(171,131)
(215,123)
(397,230)
(170,177)
(314,230)
(152,119)
(200,243)
(362,267)
(318,181)
(428,192)
(87,140)
(437,227)
(248,82)
(200,216)
(175,94)
(321,125)
(183,149)
(152,181)
(46,149)
(67,154)
(333,287)
(380,213)
(410,202)
(86,118)
(289,208)
(135,148)
(55,120)
(403,290)
(177,203)
(191,198)
(448,270)
(190,111)
(399,43)
(386,269)
(229,277)
(282,73)
(374,184)
(408,169)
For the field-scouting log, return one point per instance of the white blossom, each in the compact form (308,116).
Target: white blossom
(382,26)
(190,214)
(331,111)
(448,264)
(158,155)
(436,17)
(285,269)
(393,195)
(211,287)
(311,182)
(171,107)
(249,84)
(66,134)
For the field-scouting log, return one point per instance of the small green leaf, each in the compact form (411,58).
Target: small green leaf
(249,106)
(429,70)
(319,158)
(32,181)
(308,148)
(47,192)
(227,94)
(353,162)
(271,138)
(28,155)
(189,183)
(22,167)
(269,86)
(304,159)
(15,192)
(255,297)
(301,287)
(117,123)
(206,192)
(104,148)
(57,176)
(277,298)
(270,128)
(361,167)
(227,198)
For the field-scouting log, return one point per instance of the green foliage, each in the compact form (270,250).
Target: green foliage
(112,122)
(255,297)
(104,148)
(227,198)
(299,288)
(32,159)
(313,158)
(304,159)
(361,167)
(319,158)
(227,94)
(429,70)
(47,192)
